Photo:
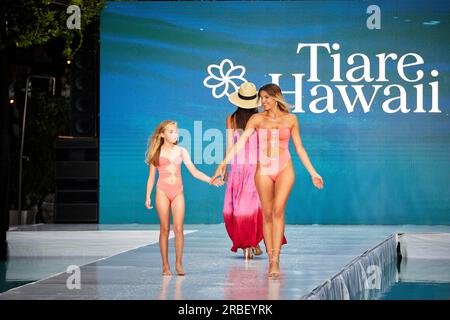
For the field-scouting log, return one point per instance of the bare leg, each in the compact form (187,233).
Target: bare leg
(163,208)
(283,187)
(265,188)
(178,209)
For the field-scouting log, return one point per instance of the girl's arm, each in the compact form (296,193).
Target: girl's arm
(191,167)
(150,183)
(303,155)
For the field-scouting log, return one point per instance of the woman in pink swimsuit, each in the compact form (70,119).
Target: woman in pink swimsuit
(274,176)
(163,155)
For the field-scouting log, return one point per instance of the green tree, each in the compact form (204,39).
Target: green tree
(35,22)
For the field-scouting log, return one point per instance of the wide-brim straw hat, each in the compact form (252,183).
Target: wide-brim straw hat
(246,97)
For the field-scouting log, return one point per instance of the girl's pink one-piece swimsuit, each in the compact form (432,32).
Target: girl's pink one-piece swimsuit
(169,180)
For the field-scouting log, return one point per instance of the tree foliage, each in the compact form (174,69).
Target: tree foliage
(35,22)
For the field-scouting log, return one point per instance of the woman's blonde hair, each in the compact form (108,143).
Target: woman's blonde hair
(155,142)
(275,92)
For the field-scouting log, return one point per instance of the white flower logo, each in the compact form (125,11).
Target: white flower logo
(224,78)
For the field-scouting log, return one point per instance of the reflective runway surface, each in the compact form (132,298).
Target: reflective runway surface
(124,262)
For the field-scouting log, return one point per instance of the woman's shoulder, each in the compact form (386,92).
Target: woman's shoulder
(254,120)
(292,118)
(256,116)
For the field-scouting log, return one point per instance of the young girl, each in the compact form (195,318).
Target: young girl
(164,154)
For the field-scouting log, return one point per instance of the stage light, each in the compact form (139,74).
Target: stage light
(11,101)
(69,61)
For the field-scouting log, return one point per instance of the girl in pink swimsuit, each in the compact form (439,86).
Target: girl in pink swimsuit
(163,155)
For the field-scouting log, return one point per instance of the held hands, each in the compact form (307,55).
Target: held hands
(220,172)
(317,181)
(218,182)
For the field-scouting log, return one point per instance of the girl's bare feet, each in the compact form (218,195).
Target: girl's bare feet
(180,271)
(166,271)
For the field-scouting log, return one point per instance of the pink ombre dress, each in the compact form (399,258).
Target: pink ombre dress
(242,212)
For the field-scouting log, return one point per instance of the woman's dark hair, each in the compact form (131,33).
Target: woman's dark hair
(240,117)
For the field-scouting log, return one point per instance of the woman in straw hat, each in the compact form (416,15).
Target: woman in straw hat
(274,176)
(242,209)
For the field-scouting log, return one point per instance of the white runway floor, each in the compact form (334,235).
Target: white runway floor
(123,261)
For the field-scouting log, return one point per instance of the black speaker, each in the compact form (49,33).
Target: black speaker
(76,177)
(84,93)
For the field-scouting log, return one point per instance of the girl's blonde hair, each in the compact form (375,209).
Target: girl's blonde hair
(155,142)
(275,92)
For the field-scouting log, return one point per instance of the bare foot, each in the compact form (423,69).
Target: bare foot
(180,270)
(274,264)
(166,271)
(274,270)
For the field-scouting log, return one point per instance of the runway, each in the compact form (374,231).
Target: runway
(123,261)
